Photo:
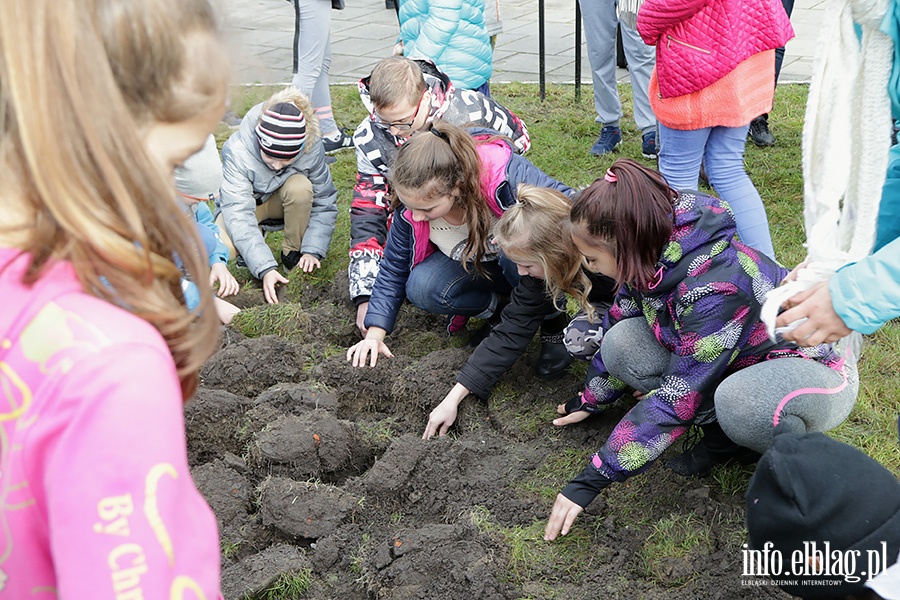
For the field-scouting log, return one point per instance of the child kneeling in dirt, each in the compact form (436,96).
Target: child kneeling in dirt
(533,234)
(684,333)
(274,173)
(453,187)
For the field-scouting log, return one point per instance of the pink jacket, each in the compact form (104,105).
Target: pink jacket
(700,41)
(96,499)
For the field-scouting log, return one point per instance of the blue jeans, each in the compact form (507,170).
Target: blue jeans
(721,150)
(599,18)
(440,285)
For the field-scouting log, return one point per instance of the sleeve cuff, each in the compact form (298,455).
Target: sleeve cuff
(360,299)
(583,489)
(264,271)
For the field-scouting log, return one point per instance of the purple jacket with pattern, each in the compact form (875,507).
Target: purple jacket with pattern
(704,309)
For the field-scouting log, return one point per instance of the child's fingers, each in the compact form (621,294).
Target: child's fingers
(575,417)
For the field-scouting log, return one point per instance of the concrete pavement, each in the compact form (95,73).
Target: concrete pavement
(260,33)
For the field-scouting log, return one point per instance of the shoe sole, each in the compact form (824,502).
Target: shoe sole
(650,156)
(610,151)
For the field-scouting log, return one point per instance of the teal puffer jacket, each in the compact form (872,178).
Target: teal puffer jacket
(452,34)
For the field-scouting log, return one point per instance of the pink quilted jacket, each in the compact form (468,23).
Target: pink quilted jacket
(700,41)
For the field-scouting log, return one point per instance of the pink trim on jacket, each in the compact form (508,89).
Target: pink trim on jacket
(699,41)
(494,157)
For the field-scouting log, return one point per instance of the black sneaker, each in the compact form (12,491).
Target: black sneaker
(343,142)
(700,456)
(759,132)
(290,260)
(240,262)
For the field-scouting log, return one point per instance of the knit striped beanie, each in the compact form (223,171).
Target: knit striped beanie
(281,131)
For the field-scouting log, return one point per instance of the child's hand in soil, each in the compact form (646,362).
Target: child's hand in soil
(369,349)
(444,414)
(561,517)
(575,416)
(228,285)
(308,263)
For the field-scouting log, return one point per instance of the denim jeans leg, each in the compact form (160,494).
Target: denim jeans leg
(680,155)
(440,285)
(724,161)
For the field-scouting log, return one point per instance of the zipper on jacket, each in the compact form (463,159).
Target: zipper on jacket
(685,44)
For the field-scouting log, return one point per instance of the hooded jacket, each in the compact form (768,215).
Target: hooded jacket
(700,41)
(703,307)
(376,149)
(408,244)
(248,182)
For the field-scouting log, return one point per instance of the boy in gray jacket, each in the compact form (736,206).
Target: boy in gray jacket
(274,172)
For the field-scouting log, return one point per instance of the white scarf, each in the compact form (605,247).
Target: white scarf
(846,140)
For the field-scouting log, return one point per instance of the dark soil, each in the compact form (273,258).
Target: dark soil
(316,468)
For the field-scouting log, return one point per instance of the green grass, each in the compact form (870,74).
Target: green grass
(290,586)
(672,538)
(532,562)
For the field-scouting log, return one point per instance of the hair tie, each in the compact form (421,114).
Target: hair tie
(610,176)
(440,134)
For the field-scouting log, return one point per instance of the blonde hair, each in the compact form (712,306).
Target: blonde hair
(438,161)
(394,80)
(302,102)
(79,79)
(537,228)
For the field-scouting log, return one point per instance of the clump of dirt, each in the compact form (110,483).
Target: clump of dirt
(314,445)
(437,561)
(316,468)
(249,366)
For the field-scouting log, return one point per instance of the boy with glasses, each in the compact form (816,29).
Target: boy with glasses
(403,96)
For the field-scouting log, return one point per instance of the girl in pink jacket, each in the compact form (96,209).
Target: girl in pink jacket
(714,74)
(97,349)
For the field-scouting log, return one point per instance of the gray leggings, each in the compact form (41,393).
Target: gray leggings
(312,57)
(803,394)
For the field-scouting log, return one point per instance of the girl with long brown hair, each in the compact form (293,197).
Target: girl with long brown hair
(684,335)
(99,101)
(451,185)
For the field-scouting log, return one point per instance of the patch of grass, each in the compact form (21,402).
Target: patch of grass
(287,320)
(290,586)
(381,432)
(554,473)
(733,479)
(672,538)
(229,548)
(357,559)
(534,562)
(872,426)
(527,418)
